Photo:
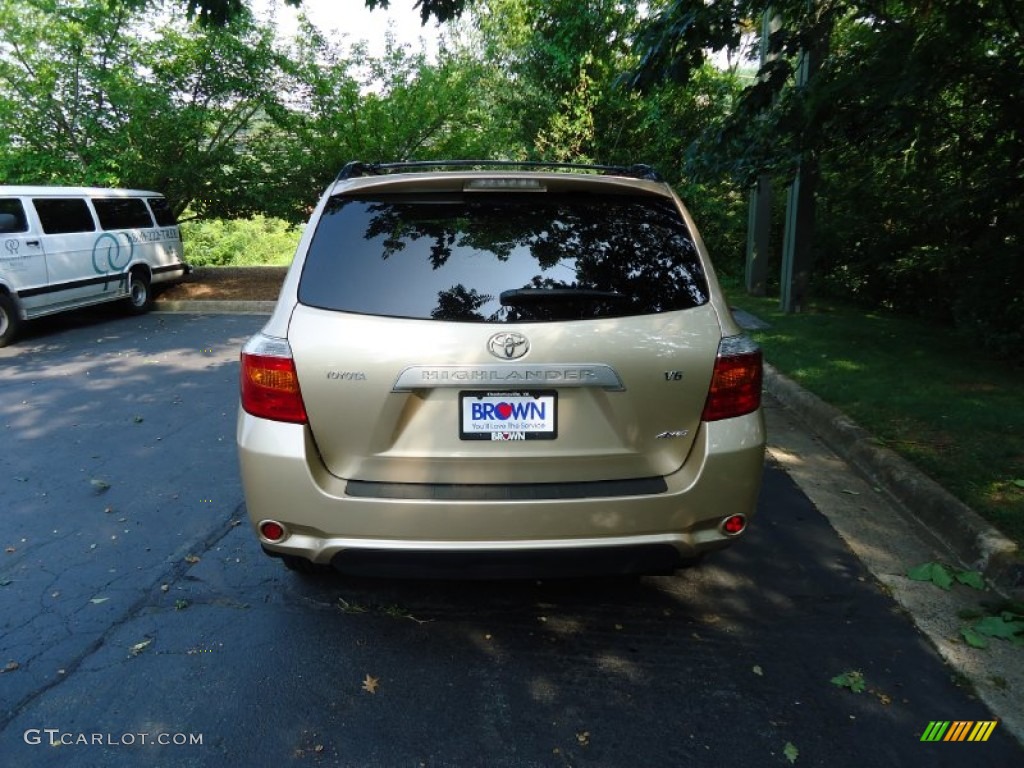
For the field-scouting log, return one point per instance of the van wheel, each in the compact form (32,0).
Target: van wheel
(140,293)
(10,322)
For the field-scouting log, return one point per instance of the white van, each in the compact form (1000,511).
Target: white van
(67,247)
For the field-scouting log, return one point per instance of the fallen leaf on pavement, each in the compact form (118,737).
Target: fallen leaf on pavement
(138,648)
(791,752)
(853,680)
(370,684)
(191,559)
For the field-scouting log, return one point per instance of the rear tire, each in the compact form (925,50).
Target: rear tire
(140,292)
(10,321)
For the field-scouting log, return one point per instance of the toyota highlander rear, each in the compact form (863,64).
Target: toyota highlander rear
(499,371)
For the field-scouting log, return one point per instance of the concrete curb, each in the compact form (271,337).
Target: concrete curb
(215,307)
(969,537)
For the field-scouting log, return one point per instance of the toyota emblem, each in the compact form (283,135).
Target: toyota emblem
(508,346)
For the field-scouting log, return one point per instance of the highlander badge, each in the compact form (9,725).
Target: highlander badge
(508,346)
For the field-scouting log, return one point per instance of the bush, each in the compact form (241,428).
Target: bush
(239,242)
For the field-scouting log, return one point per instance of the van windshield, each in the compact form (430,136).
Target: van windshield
(502,257)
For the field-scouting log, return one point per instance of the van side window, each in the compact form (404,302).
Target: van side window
(61,215)
(122,213)
(12,216)
(162,212)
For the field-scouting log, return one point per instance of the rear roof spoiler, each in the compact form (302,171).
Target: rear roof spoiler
(356,168)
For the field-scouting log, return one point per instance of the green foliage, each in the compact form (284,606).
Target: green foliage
(943,576)
(936,573)
(240,242)
(912,121)
(972,638)
(941,402)
(917,151)
(1006,625)
(790,752)
(852,680)
(220,12)
(228,121)
(91,96)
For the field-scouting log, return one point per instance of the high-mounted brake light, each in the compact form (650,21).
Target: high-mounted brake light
(270,384)
(504,184)
(736,382)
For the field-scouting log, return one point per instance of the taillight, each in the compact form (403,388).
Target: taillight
(736,382)
(270,385)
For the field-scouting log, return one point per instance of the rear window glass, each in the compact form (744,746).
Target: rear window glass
(162,211)
(515,257)
(63,215)
(12,216)
(122,213)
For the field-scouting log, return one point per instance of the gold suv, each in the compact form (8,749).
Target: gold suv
(493,369)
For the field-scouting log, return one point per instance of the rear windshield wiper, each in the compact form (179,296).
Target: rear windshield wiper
(520,296)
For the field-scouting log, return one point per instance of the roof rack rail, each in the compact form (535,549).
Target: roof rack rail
(356,169)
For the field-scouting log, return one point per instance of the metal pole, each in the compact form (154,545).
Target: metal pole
(759,220)
(797,241)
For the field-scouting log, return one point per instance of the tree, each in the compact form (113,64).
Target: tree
(345,106)
(225,120)
(221,12)
(90,97)
(913,119)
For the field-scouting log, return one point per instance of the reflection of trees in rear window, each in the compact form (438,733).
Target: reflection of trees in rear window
(553,257)
(63,215)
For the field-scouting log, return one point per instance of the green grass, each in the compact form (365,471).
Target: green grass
(922,390)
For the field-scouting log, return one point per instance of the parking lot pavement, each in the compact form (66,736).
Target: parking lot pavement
(119,479)
(118,464)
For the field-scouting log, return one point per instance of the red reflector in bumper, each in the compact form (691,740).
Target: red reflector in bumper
(734,524)
(272,531)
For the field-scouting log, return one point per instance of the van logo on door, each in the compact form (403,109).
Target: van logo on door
(508,346)
(108,249)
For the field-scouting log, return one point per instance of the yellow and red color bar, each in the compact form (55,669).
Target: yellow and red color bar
(959,730)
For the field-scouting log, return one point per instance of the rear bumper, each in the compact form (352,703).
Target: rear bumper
(285,481)
(171,273)
(652,559)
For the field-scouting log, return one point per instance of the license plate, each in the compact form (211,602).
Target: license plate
(508,415)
